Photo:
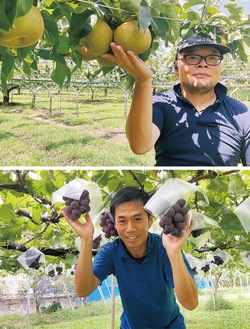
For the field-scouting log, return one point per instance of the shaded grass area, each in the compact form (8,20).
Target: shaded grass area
(97,315)
(94,137)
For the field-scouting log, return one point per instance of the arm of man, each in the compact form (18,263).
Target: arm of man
(141,132)
(185,288)
(85,280)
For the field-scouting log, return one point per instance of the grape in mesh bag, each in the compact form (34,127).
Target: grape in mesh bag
(173,221)
(75,208)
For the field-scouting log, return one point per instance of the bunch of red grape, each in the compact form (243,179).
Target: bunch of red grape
(108,224)
(75,208)
(97,242)
(31,254)
(59,269)
(196,233)
(35,264)
(173,221)
(217,260)
(205,268)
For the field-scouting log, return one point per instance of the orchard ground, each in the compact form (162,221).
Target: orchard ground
(232,312)
(62,130)
(64,133)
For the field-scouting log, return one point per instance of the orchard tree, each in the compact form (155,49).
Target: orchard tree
(60,34)
(29,219)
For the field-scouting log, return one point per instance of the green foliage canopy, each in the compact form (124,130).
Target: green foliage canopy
(28,218)
(66,21)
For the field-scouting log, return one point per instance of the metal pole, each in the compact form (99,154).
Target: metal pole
(112,324)
(28,301)
(72,307)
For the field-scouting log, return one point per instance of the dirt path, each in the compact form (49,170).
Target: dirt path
(116,135)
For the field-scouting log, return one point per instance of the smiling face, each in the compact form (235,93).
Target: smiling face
(132,224)
(200,78)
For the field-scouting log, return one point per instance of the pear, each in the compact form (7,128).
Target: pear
(105,62)
(86,54)
(97,41)
(26,30)
(130,36)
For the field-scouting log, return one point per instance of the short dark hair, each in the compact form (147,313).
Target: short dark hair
(128,194)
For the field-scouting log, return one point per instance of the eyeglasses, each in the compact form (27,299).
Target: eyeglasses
(211,60)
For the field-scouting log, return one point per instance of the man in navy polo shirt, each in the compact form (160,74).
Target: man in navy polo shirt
(151,270)
(195,123)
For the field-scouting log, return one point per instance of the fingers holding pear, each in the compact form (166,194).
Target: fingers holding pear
(111,48)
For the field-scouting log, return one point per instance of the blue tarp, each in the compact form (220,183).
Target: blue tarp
(103,291)
(203,283)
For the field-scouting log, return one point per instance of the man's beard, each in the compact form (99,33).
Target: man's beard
(198,87)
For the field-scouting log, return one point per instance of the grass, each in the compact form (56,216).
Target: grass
(62,137)
(97,315)
(58,133)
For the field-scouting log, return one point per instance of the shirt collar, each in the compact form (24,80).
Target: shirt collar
(220,90)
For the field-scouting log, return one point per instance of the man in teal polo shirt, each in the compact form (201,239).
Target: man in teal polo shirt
(151,270)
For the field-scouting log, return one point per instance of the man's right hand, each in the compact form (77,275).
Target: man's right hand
(84,230)
(130,62)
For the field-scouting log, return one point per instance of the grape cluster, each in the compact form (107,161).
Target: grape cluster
(205,268)
(173,221)
(196,233)
(75,208)
(31,254)
(97,241)
(73,269)
(217,260)
(108,224)
(35,264)
(59,269)
(51,273)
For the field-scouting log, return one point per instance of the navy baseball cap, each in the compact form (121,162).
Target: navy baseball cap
(200,40)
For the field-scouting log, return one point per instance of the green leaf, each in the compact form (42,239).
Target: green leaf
(8,12)
(60,73)
(77,59)
(8,66)
(23,7)
(64,45)
(160,27)
(230,224)
(222,17)
(7,213)
(167,25)
(235,9)
(23,52)
(26,68)
(4,83)
(145,15)
(134,6)
(10,232)
(80,25)
(51,29)
(63,9)
(237,185)
(190,3)
(241,50)
(55,56)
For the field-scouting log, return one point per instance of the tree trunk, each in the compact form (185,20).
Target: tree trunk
(6,99)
